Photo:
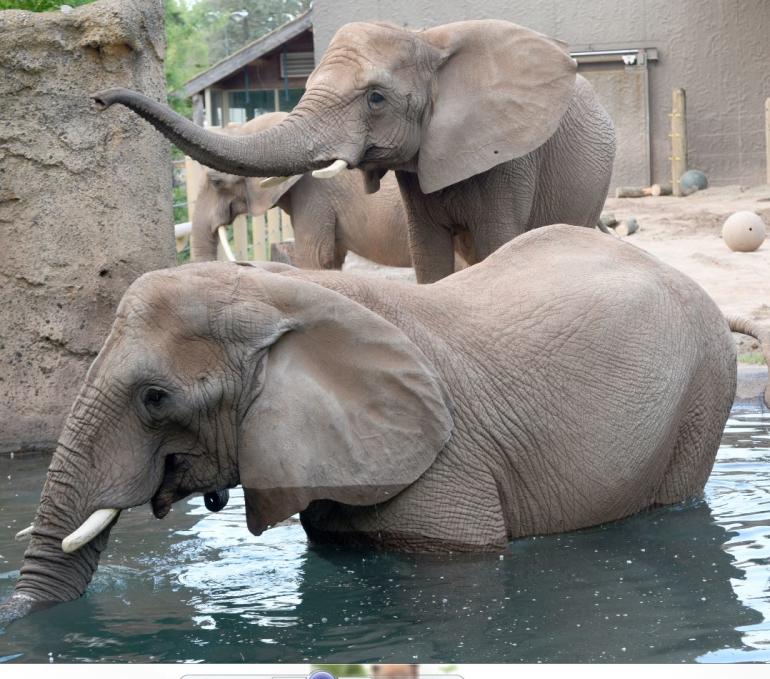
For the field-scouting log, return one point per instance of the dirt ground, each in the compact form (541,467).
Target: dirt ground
(686,233)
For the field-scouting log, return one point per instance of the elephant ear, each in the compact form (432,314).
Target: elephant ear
(350,409)
(501,91)
(261,200)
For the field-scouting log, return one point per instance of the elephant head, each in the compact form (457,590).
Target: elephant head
(216,374)
(448,103)
(222,197)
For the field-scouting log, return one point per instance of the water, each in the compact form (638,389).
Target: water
(685,583)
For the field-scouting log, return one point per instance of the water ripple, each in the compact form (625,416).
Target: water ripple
(683,583)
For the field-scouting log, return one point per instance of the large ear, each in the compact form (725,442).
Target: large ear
(350,409)
(500,92)
(262,199)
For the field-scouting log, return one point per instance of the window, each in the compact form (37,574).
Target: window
(287,99)
(245,105)
(297,64)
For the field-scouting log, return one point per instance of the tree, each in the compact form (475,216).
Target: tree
(200,34)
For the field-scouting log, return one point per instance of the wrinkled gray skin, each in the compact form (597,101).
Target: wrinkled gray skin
(453,416)
(329,217)
(488,128)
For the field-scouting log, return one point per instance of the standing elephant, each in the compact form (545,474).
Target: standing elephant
(445,417)
(329,217)
(486,124)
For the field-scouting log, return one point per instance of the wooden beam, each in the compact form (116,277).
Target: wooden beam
(195,175)
(241,238)
(225,108)
(767,136)
(207,107)
(678,139)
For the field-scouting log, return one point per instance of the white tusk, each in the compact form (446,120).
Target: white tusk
(222,231)
(331,171)
(24,534)
(91,527)
(271,181)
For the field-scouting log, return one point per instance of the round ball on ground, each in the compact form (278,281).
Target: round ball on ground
(743,231)
(692,181)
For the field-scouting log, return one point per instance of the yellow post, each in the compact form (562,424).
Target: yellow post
(258,232)
(287,230)
(241,238)
(767,136)
(273,226)
(678,139)
(194,174)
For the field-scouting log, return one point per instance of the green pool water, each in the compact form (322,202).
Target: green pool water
(685,583)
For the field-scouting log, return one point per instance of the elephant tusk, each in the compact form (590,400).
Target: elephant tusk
(272,181)
(24,534)
(91,527)
(222,231)
(331,171)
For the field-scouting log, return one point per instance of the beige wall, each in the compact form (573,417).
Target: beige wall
(718,50)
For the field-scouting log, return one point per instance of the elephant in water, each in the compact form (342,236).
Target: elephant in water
(329,217)
(446,417)
(486,124)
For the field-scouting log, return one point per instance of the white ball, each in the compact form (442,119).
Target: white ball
(743,231)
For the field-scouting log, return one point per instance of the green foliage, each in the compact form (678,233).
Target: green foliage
(200,34)
(40,5)
(754,358)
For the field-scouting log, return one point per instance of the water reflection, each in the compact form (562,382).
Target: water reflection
(739,494)
(678,584)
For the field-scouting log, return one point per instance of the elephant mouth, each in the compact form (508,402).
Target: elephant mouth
(173,488)
(168,491)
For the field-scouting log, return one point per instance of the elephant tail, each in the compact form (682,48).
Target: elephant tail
(746,326)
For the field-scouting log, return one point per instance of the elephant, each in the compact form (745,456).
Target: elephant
(448,417)
(487,125)
(329,217)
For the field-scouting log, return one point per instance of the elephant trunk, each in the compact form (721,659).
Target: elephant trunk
(203,235)
(285,149)
(746,326)
(49,575)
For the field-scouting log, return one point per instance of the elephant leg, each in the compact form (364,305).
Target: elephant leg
(432,251)
(490,236)
(430,239)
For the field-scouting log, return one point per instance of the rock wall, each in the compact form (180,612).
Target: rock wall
(85,199)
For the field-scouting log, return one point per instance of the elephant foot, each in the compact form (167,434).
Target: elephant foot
(217,500)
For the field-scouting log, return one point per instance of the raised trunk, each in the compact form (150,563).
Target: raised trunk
(284,149)
(49,575)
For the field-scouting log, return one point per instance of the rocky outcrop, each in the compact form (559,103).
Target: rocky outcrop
(85,199)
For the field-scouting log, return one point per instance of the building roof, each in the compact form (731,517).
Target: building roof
(248,53)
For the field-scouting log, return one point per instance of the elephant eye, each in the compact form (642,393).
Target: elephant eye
(376,98)
(154,396)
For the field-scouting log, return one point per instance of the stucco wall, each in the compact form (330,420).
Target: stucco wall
(718,50)
(85,199)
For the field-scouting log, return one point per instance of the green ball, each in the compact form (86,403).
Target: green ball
(692,181)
